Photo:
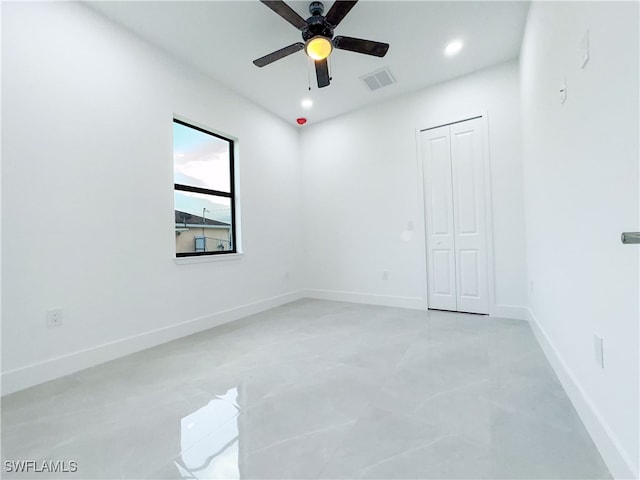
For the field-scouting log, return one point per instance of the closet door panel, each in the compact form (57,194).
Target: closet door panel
(441,268)
(469,216)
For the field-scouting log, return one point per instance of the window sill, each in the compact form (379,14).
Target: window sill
(207,258)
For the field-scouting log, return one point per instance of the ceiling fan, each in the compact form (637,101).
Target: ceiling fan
(317,33)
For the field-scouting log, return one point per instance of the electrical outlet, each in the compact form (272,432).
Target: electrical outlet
(385,275)
(598,346)
(563,90)
(410,226)
(54,318)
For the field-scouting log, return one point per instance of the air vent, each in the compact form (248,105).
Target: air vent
(378,79)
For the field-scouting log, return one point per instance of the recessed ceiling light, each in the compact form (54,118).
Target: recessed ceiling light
(307,103)
(453,48)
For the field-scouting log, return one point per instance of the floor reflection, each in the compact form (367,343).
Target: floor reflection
(354,391)
(209,440)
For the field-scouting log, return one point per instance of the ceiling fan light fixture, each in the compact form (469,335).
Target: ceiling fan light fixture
(318,47)
(317,33)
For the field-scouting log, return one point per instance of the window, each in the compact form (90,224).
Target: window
(203,192)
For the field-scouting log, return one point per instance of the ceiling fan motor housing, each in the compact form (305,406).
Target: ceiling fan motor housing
(316,25)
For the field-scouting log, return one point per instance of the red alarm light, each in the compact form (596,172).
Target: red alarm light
(301,120)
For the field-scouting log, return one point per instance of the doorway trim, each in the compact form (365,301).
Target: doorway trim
(486,168)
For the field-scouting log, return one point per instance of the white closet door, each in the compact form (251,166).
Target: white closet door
(469,216)
(441,280)
(453,169)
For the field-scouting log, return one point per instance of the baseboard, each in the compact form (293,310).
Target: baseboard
(618,461)
(25,377)
(414,303)
(510,311)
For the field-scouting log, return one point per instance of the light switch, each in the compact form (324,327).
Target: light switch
(598,345)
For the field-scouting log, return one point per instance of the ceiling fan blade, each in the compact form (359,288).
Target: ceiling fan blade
(358,45)
(286,12)
(322,73)
(338,11)
(278,54)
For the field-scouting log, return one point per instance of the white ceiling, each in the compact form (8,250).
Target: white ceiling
(222,38)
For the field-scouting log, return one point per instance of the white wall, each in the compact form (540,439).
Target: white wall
(87,159)
(363,187)
(582,191)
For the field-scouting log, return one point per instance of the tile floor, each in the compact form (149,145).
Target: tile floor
(313,389)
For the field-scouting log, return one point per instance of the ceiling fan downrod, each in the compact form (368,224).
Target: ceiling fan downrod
(316,8)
